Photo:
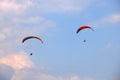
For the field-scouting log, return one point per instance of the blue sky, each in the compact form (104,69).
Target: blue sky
(64,55)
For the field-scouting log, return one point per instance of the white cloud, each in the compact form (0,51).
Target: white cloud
(12,6)
(17,61)
(38,75)
(5,5)
(75,78)
(34,25)
(5,32)
(113,18)
(62,5)
(42,6)
(24,69)
(31,75)
(110,19)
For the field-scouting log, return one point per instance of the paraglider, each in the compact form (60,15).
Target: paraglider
(83,27)
(30,37)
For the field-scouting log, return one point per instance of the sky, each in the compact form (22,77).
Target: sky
(63,54)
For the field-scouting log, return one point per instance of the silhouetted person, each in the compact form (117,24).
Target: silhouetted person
(31,54)
(84,41)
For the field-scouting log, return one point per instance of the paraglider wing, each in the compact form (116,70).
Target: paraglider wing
(83,27)
(30,37)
